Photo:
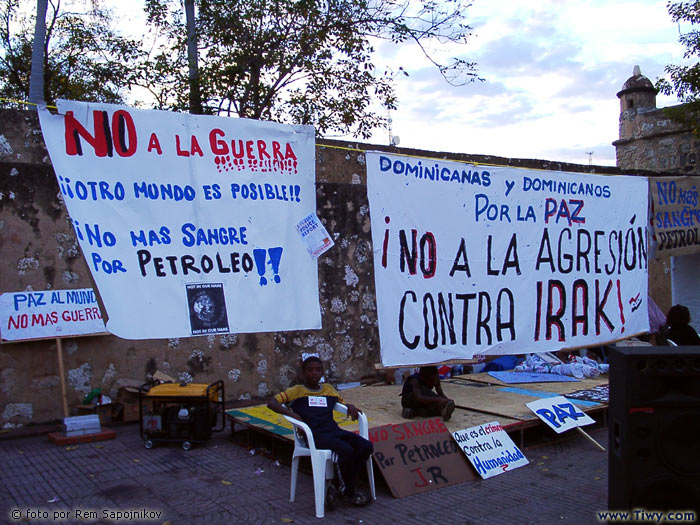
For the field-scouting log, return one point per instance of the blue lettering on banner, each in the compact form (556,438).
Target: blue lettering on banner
(259,256)
(559,414)
(584,189)
(670,193)
(224,236)
(435,172)
(80,297)
(162,236)
(261,192)
(507,458)
(173,192)
(91,190)
(31,299)
(107,266)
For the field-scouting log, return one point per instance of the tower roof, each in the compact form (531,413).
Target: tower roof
(636,83)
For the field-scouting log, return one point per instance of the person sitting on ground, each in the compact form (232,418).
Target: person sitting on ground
(313,404)
(678,327)
(419,399)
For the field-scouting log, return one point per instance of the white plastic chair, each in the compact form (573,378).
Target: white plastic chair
(322,459)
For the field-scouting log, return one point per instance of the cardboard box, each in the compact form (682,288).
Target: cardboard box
(128,399)
(104,412)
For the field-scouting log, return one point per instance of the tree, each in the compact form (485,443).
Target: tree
(300,61)
(83,58)
(36,80)
(684,81)
(192,59)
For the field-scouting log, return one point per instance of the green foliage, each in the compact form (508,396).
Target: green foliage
(85,59)
(298,61)
(684,81)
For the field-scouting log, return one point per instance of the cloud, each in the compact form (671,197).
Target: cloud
(552,72)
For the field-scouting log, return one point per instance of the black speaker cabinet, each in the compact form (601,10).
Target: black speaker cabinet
(654,426)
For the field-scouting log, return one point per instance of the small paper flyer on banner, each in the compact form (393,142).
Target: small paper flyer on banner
(489,448)
(559,413)
(318,240)
(207,308)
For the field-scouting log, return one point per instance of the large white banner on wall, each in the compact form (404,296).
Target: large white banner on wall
(496,260)
(188,222)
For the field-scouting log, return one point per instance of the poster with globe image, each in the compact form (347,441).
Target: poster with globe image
(207,306)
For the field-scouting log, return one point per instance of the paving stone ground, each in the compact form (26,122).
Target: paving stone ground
(223,482)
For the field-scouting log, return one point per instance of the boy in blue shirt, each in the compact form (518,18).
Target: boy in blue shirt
(312,403)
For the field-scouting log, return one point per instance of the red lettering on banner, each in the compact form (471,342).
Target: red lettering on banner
(154,144)
(121,135)
(420,475)
(84,314)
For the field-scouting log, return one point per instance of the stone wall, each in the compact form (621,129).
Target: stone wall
(40,251)
(651,140)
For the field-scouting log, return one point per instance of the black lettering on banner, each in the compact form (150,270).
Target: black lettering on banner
(599,307)
(579,318)
(465,298)
(582,253)
(426,313)
(503,325)
(408,256)
(554,319)
(412,344)
(483,318)
(541,258)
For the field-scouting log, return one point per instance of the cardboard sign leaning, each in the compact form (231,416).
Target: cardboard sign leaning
(559,413)
(50,313)
(676,215)
(33,315)
(418,456)
(489,448)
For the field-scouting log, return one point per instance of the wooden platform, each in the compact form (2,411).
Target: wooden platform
(479,398)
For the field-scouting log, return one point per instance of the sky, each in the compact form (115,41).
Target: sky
(551,71)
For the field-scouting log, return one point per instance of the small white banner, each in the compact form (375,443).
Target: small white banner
(490,449)
(49,314)
(559,413)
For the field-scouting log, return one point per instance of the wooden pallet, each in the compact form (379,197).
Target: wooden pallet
(479,398)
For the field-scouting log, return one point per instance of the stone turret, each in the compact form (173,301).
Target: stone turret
(649,139)
(637,96)
(637,92)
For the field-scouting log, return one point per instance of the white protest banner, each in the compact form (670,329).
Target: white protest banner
(49,314)
(676,214)
(496,260)
(489,448)
(559,413)
(187,222)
